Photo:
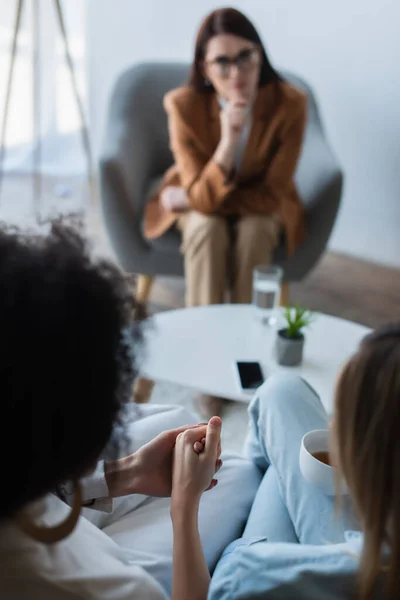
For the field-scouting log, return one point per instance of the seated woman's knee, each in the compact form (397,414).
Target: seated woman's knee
(215,229)
(256,227)
(211,229)
(250,224)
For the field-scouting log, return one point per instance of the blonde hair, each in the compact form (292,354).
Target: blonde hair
(367,432)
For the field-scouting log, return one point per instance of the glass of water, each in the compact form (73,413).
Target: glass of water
(267,292)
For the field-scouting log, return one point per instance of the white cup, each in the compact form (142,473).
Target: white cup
(313,470)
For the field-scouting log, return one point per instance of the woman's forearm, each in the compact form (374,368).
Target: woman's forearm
(191,577)
(224,156)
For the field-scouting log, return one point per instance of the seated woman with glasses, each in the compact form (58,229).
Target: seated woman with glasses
(236,131)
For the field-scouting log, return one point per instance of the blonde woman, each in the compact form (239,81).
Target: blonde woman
(294,547)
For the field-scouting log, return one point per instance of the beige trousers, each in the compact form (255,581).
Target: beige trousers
(216,248)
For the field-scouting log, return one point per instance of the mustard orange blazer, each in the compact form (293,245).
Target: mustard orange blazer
(264,183)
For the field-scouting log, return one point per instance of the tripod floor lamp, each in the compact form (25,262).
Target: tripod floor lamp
(36,64)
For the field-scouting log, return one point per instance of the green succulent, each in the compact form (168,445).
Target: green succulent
(297,319)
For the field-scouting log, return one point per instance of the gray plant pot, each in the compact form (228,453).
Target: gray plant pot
(289,351)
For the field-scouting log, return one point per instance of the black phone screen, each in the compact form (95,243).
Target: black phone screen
(250,375)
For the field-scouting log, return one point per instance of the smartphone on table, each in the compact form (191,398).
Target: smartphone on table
(249,375)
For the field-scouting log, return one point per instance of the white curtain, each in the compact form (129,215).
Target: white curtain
(62,153)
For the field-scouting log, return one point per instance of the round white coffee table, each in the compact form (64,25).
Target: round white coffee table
(197,348)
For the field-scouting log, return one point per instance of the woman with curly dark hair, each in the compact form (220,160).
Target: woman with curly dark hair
(67,364)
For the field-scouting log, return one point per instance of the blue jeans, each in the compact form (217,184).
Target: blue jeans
(286,507)
(294,546)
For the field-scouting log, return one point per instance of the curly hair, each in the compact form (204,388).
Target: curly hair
(67,364)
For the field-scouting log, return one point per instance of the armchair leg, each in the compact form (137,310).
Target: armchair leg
(142,390)
(285,294)
(143,288)
(143,387)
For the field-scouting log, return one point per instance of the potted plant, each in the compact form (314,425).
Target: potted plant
(290,339)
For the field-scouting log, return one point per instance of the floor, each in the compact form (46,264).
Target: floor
(340,285)
(59,195)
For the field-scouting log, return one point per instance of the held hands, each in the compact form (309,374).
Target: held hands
(196,460)
(149,470)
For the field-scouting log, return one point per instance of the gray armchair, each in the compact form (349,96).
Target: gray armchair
(136,154)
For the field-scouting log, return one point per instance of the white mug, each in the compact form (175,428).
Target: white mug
(313,470)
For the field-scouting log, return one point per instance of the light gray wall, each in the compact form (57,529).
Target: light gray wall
(348,50)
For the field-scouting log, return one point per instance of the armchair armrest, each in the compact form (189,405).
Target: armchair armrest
(129,147)
(317,169)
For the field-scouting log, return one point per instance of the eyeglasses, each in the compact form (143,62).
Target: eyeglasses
(245,61)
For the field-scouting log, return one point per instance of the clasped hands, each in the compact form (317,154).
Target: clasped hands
(180,463)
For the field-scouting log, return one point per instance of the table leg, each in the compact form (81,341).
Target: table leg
(143,288)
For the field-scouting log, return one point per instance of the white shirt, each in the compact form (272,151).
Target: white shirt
(88,564)
(94,489)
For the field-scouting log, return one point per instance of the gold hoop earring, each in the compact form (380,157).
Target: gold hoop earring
(52,535)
